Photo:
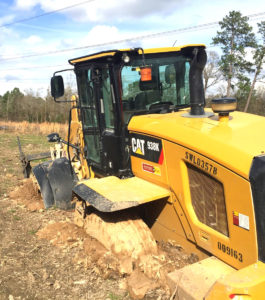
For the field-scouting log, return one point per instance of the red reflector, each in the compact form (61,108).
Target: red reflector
(161,157)
(235,220)
(232,296)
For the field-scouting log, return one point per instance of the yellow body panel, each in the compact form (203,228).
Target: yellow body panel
(169,223)
(132,189)
(236,193)
(77,138)
(209,137)
(160,177)
(146,51)
(248,283)
(90,57)
(206,139)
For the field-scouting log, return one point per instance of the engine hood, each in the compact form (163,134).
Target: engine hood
(232,144)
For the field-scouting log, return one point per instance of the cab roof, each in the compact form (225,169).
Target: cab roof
(111,53)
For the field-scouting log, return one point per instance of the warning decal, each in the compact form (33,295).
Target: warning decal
(240,220)
(151,169)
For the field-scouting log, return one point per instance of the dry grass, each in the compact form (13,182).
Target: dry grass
(36,128)
(11,171)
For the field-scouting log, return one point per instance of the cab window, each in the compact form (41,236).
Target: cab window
(169,83)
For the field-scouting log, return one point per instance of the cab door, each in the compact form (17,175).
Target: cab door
(110,120)
(100,120)
(90,117)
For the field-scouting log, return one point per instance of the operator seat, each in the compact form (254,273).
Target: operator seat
(140,101)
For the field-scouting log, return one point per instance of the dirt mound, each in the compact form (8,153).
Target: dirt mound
(88,251)
(175,254)
(146,274)
(62,233)
(27,193)
(142,269)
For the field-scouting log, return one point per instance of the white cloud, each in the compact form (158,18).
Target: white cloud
(99,11)
(32,40)
(124,11)
(102,34)
(25,4)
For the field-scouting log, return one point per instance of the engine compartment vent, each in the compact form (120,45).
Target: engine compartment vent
(208,201)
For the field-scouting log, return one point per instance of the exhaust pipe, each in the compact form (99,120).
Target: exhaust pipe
(197,97)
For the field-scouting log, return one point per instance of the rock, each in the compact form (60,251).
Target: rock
(125,266)
(31,277)
(149,266)
(57,285)
(138,285)
(123,284)
(80,282)
(45,275)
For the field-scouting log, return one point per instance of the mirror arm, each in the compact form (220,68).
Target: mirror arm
(71,145)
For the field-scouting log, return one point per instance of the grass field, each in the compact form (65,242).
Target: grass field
(33,140)
(9,156)
(34,128)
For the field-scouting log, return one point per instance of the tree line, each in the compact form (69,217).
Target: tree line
(16,106)
(236,73)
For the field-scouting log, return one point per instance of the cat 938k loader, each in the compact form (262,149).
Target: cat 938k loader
(143,150)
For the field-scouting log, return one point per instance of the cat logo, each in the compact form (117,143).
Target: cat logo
(147,148)
(138,146)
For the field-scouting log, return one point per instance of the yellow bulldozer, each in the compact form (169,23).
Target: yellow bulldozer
(143,150)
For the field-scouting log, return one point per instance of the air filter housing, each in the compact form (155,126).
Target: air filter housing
(224,106)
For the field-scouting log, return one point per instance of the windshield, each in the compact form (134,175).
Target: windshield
(170,83)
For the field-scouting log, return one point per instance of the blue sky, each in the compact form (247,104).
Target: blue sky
(97,22)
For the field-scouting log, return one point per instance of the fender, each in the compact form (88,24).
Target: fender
(111,193)
(56,182)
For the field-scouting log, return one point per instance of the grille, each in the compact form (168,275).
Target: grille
(207,196)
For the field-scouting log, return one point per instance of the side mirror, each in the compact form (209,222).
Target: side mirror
(53,137)
(57,86)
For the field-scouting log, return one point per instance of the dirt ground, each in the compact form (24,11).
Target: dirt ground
(43,255)
(33,268)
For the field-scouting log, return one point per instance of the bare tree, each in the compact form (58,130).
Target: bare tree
(211,74)
(259,58)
